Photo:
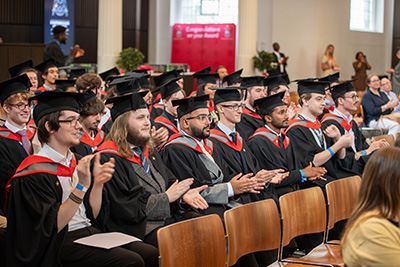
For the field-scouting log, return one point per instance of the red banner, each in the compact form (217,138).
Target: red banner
(202,45)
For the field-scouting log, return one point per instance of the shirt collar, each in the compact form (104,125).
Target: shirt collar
(348,119)
(12,128)
(197,141)
(266,126)
(307,118)
(225,129)
(49,152)
(48,87)
(330,102)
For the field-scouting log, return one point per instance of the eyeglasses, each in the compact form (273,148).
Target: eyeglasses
(72,122)
(202,117)
(354,97)
(234,107)
(21,106)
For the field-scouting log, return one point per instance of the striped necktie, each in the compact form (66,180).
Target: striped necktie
(143,159)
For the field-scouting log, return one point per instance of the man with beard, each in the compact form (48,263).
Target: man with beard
(273,148)
(190,154)
(277,84)
(250,120)
(138,197)
(15,137)
(53,49)
(235,152)
(90,136)
(346,102)
(308,138)
(169,92)
(49,204)
(49,75)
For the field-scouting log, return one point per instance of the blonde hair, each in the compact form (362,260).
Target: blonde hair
(380,189)
(327,50)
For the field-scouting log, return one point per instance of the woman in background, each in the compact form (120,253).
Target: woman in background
(361,66)
(329,61)
(372,236)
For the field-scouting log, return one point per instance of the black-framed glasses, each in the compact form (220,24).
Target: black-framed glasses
(202,117)
(354,97)
(72,122)
(234,107)
(21,106)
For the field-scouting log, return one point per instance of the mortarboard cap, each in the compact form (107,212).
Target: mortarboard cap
(342,88)
(109,73)
(126,85)
(331,78)
(45,65)
(188,105)
(252,81)
(52,101)
(62,84)
(203,71)
(273,82)
(19,84)
(88,97)
(233,77)
(145,71)
(166,77)
(226,94)
(125,103)
(204,78)
(383,76)
(76,72)
(267,104)
(311,86)
(16,70)
(169,88)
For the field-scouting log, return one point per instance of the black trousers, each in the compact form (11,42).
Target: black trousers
(132,254)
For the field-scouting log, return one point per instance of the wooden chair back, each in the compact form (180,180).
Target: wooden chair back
(388,137)
(342,196)
(252,227)
(196,242)
(302,212)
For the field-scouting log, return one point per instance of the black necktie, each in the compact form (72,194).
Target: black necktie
(233,137)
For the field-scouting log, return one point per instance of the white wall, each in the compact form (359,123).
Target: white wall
(304,29)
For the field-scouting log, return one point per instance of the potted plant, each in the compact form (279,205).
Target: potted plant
(130,58)
(264,61)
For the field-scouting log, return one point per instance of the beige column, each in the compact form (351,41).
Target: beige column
(247,47)
(109,41)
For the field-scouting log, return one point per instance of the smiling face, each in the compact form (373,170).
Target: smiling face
(67,134)
(17,109)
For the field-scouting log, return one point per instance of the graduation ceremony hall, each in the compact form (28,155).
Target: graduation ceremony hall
(199,133)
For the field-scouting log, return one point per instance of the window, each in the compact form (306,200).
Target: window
(367,15)
(204,11)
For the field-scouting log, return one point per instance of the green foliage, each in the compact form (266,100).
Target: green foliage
(130,58)
(263,61)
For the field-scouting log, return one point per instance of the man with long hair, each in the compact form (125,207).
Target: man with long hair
(49,201)
(139,192)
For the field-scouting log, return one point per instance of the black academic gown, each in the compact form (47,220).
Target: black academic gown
(86,143)
(306,148)
(184,162)
(248,124)
(275,153)
(33,202)
(359,141)
(245,163)
(12,153)
(127,198)
(167,121)
(156,110)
